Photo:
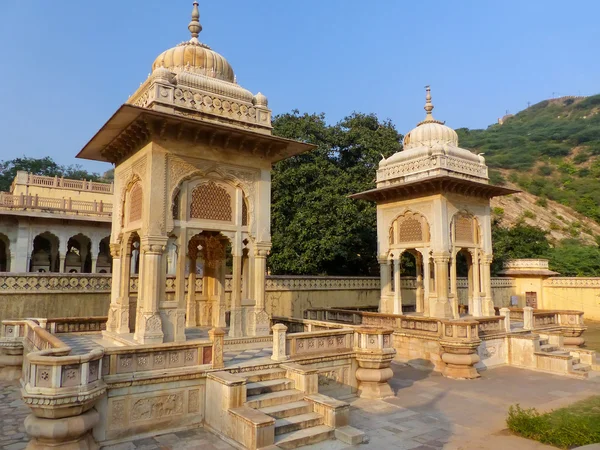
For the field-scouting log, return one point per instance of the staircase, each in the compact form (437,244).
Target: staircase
(296,422)
(579,369)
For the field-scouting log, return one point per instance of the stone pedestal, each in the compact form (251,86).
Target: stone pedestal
(459,349)
(69,433)
(217,337)
(11,360)
(374,354)
(279,343)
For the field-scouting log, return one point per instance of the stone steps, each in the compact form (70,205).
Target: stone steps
(263,387)
(296,422)
(303,437)
(274,398)
(299,422)
(579,367)
(548,348)
(263,375)
(288,409)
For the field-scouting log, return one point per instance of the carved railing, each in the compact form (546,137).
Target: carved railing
(490,325)
(66,205)
(66,183)
(144,358)
(545,319)
(76,324)
(330,341)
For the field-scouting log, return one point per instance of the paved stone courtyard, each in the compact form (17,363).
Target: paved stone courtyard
(429,412)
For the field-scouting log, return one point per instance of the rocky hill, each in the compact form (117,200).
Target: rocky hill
(551,151)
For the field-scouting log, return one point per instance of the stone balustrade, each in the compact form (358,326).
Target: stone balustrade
(65,205)
(302,344)
(30,179)
(489,326)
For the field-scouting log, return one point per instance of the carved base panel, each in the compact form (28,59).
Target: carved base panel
(147,413)
(152,332)
(236,324)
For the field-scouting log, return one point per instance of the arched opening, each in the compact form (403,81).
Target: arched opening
(4,253)
(208,254)
(44,257)
(78,258)
(134,249)
(104,262)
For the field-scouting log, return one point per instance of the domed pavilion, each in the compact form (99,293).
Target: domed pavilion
(193,152)
(433,202)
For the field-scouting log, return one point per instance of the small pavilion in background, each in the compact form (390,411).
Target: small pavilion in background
(433,201)
(193,152)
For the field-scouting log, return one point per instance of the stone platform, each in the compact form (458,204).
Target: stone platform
(427,412)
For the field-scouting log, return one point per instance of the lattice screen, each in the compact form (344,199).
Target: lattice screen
(464,228)
(135,203)
(410,230)
(211,202)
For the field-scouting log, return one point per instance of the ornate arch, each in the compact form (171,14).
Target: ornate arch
(181,171)
(131,181)
(409,227)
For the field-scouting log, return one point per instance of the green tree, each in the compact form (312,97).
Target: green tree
(572,259)
(40,166)
(316,228)
(520,241)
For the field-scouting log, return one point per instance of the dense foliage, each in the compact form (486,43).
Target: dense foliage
(316,228)
(551,149)
(574,426)
(40,166)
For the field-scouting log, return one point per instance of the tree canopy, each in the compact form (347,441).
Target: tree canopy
(316,228)
(40,166)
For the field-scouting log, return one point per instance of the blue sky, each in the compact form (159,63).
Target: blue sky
(69,64)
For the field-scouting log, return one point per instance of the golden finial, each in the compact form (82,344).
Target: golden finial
(194,26)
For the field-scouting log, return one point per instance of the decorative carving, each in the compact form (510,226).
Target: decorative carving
(194,401)
(157,407)
(153,324)
(135,203)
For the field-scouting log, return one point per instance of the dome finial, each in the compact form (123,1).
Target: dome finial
(194,26)
(428,105)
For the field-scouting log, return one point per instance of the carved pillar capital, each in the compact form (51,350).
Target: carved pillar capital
(115,250)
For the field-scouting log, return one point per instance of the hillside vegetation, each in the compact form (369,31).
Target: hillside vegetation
(551,150)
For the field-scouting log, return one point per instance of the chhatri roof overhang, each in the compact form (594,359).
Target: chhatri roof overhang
(132,127)
(433,185)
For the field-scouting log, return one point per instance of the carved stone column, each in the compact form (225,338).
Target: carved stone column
(260,323)
(152,290)
(488,301)
(124,283)
(113,315)
(235,321)
(427,285)
(454,287)
(441,308)
(420,300)
(397,286)
(191,305)
(476,288)
(384,275)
